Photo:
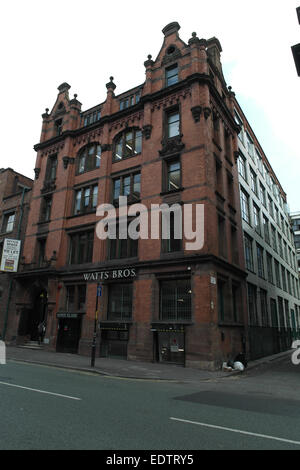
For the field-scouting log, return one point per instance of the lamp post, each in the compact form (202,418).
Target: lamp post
(99,294)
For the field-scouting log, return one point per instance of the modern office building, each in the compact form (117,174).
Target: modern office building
(170,140)
(295,216)
(15,196)
(270,254)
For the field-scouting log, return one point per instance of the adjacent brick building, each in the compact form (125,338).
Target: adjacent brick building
(170,140)
(15,195)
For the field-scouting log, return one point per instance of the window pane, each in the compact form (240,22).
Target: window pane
(10,223)
(95,196)
(81,297)
(70,300)
(126,186)
(86,197)
(128,151)
(117,184)
(89,248)
(119,149)
(172,75)
(173,125)
(120,302)
(98,157)
(77,201)
(81,163)
(138,142)
(174,176)
(175,301)
(137,185)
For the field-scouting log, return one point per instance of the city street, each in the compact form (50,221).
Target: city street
(50,408)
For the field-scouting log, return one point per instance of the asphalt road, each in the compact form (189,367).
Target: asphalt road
(47,408)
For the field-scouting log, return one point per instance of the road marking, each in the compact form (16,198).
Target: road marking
(264,436)
(40,391)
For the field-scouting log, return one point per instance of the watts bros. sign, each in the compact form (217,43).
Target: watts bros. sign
(108,275)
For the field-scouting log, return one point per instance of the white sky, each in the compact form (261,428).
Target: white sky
(84,43)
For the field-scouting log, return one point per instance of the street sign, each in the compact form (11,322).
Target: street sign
(10,255)
(99,290)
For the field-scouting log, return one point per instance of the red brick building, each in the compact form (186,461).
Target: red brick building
(170,140)
(15,195)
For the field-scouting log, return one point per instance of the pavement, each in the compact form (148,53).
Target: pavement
(124,368)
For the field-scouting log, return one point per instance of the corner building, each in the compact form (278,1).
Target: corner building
(169,140)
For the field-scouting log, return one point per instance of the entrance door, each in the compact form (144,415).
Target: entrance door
(31,318)
(69,330)
(114,344)
(171,347)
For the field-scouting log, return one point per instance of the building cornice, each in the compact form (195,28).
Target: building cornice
(158,95)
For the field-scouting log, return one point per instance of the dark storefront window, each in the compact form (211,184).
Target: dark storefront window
(75,298)
(120,302)
(175,300)
(81,247)
(122,248)
(252,305)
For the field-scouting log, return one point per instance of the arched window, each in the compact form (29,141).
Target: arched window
(128,144)
(89,158)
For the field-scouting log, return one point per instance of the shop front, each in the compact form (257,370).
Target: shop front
(169,343)
(69,332)
(114,340)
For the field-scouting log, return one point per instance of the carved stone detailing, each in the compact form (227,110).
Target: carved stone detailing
(196,112)
(171,28)
(147,129)
(37,173)
(171,57)
(110,85)
(149,62)
(64,87)
(67,160)
(171,99)
(194,39)
(88,137)
(207,112)
(171,146)
(130,120)
(54,149)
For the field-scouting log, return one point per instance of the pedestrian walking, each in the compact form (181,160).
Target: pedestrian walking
(41,331)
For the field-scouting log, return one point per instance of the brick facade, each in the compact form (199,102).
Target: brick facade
(15,195)
(185,80)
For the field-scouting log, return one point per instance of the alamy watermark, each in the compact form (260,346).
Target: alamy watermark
(296,353)
(136,221)
(2,352)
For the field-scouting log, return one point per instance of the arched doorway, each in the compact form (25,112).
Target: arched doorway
(32,317)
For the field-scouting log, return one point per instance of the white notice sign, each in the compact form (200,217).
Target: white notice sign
(10,255)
